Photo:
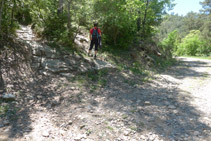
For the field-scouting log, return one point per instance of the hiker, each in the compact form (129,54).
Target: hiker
(95,34)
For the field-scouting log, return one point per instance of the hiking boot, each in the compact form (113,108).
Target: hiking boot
(95,57)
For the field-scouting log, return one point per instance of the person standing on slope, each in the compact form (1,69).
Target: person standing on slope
(95,34)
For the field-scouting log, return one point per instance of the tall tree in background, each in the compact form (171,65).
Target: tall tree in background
(60,7)
(69,20)
(206,5)
(13,12)
(59,20)
(145,16)
(1,12)
(152,14)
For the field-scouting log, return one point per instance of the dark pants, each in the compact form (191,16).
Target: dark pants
(94,42)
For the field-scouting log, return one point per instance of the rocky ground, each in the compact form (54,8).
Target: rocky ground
(102,103)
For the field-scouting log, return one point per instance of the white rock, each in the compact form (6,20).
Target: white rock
(196,133)
(6,122)
(70,122)
(45,134)
(8,97)
(171,107)
(126,133)
(79,137)
(147,103)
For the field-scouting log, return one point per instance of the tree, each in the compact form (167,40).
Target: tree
(169,44)
(69,21)
(145,16)
(1,12)
(192,44)
(60,7)
(206,5)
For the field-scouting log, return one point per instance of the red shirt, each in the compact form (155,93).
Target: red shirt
(91,30)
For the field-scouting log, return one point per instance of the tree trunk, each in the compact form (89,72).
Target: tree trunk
(60,8)
(1,12)
(2,88)
(12,14)
(69,21)
(145,17)
(139,21)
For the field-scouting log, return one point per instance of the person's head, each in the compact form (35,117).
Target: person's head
(95,24)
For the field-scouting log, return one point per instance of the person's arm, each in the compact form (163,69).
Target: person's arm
(99,32)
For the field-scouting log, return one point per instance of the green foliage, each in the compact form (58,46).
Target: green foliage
(23,16)
(54,28)
(206,4)
(137,69)
(117,23)
(118,19)
(194,32)
(170,43)
(191,44)
(163,63)
(3,110)
(59,21)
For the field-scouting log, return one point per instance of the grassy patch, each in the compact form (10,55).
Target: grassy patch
(134,128)
(93,79)
(206,75)
(124,116)
(110,128)
(141,124)
(133,110)
(3,110)
(8,111)
(163,63)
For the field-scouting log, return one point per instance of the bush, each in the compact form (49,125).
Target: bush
(193,45)
(169,44)
(54,27)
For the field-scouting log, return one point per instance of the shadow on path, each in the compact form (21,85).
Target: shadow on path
(161,108)
(186,68)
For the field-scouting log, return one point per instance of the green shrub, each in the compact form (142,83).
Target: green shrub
(193,45)
(170,43)
(54,27)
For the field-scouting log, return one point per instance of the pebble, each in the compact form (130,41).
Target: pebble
(167,103)
(6,122)
(126,133)
(74,88)
(70,122)
(82,126)
(62,132)
(147,103)
(171,107)
(45,134)
(196,133)
(79,137)
(138,101)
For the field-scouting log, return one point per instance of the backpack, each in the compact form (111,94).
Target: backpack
(95,34)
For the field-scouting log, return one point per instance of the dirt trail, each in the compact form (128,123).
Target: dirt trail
(175,105)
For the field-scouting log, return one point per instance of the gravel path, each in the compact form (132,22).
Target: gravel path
(174,106)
